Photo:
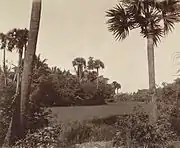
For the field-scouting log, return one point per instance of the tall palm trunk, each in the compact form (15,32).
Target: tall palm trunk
(151,71)
(80,71)
(28,61)
(4,67)
(19,71)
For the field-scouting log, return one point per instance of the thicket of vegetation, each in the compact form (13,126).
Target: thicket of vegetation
(53,87)
(66,87)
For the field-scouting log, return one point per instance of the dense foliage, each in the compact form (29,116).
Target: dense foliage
(136,131)
(50,87)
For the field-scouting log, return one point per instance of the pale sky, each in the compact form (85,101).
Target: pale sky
(76,28)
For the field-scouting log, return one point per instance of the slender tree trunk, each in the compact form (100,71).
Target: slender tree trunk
(151,71)
(14,122)
(80,70)
(4,67)
(19,71)
(97,78)
(28,61)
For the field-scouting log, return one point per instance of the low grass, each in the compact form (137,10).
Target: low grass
(81,113)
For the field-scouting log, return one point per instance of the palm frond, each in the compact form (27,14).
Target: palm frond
(17,38)
(119,22)
(169,21)
(157,31)
(170,10)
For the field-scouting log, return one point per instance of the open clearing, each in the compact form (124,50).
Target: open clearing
(80,113)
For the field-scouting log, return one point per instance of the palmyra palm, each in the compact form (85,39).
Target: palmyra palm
(17,39)
(153,18)
(79,65)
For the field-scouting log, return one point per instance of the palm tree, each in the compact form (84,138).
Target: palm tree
(97,65)
(90,63)
(3,38)
(116,85)
(17,39)
(154,19)
(79,65)
(28,60)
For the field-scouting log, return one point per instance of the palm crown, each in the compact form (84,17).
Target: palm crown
(151,16)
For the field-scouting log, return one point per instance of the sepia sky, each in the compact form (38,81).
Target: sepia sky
(76,28)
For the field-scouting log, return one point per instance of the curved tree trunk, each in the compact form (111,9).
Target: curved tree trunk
(28,61)
(151,71)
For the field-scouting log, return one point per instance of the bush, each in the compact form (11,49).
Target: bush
(135,130)
(67,135)
(6,95)
(46,137)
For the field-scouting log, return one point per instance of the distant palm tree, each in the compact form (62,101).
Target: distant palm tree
(4,42)
(79,65)
(90,63)
(28,60)
(154,19)
(116,85)
(97,65)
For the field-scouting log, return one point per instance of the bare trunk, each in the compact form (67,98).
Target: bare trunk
(97,78)
(28,61)
(4,67)
(14,123)
(80,70)
(151,71)
(78,73)
(19,72)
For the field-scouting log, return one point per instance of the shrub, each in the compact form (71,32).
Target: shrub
(135,130)
(46,137)
(5,109)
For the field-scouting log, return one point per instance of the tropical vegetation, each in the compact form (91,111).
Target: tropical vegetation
(30,89)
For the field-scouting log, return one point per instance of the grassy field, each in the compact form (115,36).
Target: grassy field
(80,113)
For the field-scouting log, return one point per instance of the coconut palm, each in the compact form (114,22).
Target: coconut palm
(28,60)
(154,19)
(79,65)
